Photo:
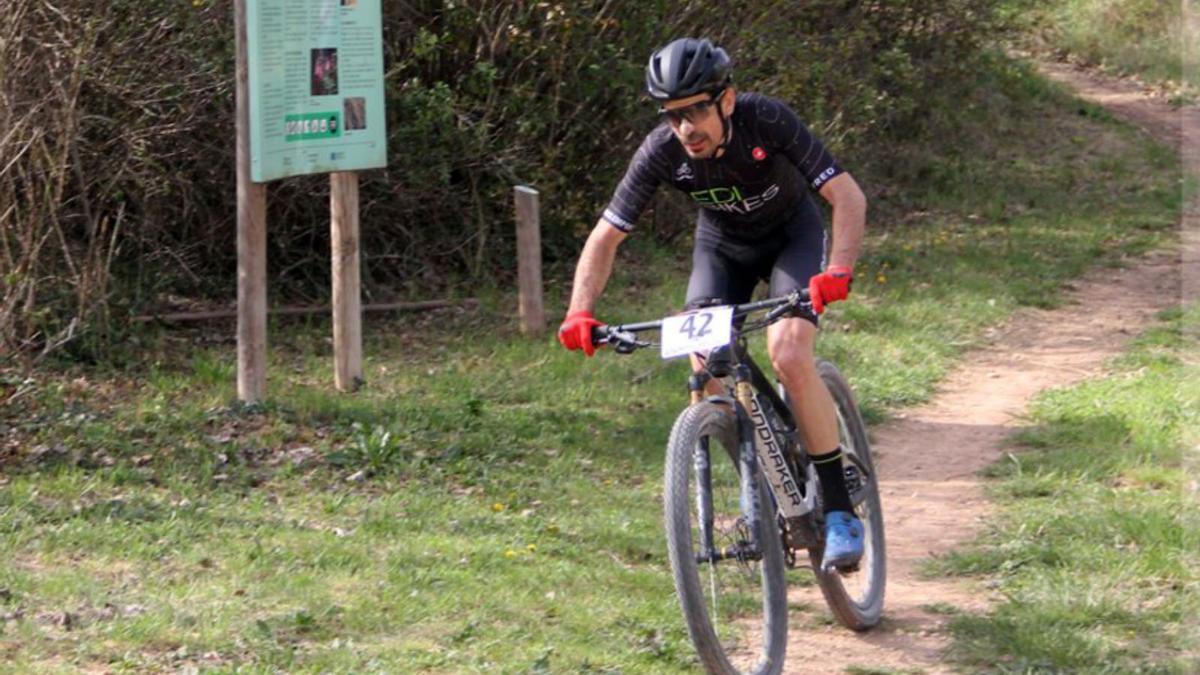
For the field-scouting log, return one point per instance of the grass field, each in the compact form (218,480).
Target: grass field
(1094,552)
(1146,38)
(487,503)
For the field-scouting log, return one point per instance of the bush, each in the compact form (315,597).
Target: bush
(118,185)
(1142,37)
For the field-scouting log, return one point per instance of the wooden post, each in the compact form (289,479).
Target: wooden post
(251,242)
(347,297)
(529,260)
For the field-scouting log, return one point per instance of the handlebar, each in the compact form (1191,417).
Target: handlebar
(624,337)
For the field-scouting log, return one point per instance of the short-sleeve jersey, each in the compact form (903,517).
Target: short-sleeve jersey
(770,163)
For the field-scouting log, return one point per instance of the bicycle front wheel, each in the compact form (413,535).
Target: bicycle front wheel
(855,596)
(732,591)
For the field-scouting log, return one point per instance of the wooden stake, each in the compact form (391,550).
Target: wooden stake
(251,241)
(347,298)
(529,260)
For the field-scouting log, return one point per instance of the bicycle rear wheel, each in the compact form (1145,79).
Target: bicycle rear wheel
(855,596)
(736,607)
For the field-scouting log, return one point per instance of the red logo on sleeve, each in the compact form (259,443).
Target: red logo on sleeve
(759,154)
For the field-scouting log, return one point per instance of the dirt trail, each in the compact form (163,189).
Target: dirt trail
(931,456)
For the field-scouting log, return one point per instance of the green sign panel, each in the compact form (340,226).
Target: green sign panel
(316,87)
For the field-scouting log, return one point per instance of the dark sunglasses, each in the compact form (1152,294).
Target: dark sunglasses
(691,113)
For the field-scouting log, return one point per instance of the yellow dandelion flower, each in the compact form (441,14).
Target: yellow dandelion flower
(510,553)
(498,507)
(532,548)
(881,278)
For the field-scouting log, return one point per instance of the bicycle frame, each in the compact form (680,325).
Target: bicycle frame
(760,446)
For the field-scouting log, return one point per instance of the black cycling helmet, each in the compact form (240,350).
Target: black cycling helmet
(687,67)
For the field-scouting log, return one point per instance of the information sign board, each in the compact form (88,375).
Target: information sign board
(316,87)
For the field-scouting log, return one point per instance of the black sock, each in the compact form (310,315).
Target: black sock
(833,481)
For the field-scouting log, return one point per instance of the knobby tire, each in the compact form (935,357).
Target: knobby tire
(706,420)
(864,609)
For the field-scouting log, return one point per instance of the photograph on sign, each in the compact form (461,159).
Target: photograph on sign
(316,87)
(324,72)
(355,109)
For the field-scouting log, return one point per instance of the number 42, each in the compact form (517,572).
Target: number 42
(693,331)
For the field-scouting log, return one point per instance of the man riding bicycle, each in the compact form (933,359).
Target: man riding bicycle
(746,160)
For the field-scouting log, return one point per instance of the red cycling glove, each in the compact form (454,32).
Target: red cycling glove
(576,331)
(829,286)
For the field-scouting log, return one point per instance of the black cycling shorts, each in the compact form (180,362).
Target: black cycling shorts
(727,267)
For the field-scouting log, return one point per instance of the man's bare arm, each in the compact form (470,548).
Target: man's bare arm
(595,265)
(849,218)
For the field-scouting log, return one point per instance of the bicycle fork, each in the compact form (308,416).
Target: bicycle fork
(749,504)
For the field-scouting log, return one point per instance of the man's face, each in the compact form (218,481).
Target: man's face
(695,122)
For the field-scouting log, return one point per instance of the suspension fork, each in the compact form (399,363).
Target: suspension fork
(696,384)
(703,470)
(704,499)
(747,460)
(748,457)
(750,506)
(701,464)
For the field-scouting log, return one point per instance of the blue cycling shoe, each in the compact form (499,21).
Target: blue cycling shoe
(843,541)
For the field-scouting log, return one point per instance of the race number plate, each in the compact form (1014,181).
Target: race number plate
(696,331)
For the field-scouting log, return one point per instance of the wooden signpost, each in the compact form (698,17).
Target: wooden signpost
(347,296)
(251,243)
(309,100)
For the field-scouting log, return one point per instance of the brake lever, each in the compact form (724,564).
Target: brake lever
(623,342)
(625,347)
(794,302)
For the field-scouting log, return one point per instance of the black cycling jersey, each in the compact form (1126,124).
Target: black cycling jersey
(756,182)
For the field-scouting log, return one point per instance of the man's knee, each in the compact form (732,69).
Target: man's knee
(791,350)
(795,368)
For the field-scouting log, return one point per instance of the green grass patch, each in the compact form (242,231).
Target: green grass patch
(487,502)
(1094,550)
(1147,38)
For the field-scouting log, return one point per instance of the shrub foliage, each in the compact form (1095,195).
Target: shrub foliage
(116,138)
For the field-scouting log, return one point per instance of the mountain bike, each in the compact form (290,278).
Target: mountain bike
(741,498)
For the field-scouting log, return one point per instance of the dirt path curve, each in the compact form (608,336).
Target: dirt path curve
(931,456)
